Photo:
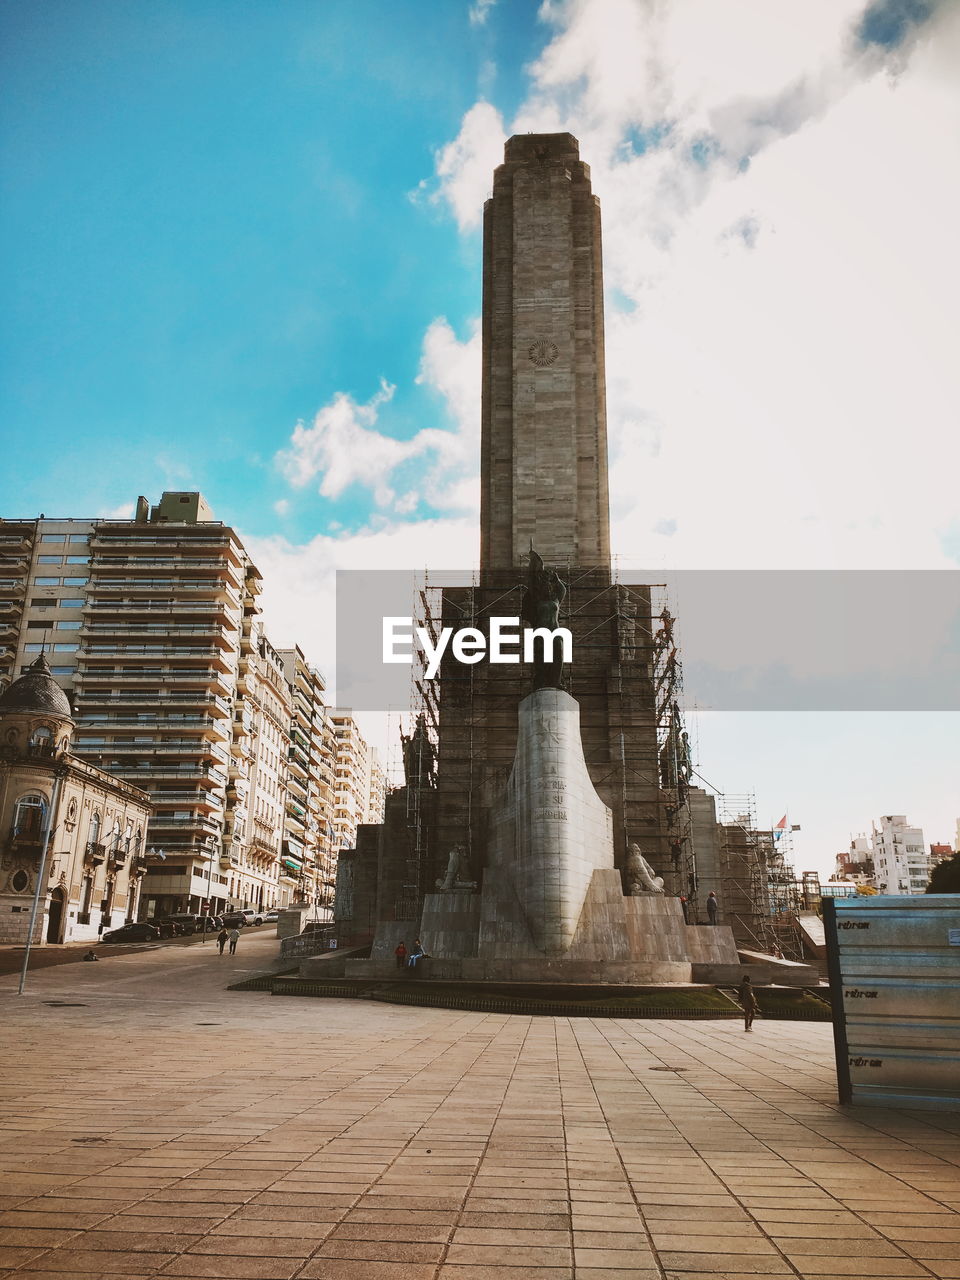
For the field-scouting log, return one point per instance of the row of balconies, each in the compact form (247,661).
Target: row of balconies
(167,607)
(96,698)
(169,652)
(174,562)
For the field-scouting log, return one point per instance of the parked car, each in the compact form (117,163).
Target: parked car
(237,919)
(191,923)
(142,932)
(271,917)
(168,928)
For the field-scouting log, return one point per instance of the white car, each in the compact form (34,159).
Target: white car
(241,917)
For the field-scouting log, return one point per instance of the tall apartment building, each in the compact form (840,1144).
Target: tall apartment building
(902,864)
(259,876)
(307,841)
(354,771)
(377,790)
(152,626)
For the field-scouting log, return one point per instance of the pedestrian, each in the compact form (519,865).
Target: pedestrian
(234,936)
(712,907)
(222,937)
(416,954)
(748,1001)
(401,954)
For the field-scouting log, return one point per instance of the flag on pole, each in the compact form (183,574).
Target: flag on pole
(780,828)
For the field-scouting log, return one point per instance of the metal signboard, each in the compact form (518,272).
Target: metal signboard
(894,967)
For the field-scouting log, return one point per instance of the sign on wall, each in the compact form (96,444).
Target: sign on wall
(894,967)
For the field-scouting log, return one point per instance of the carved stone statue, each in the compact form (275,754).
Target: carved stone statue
(627,624)
(542,597)
(419,757)
(457,873)
(641,877)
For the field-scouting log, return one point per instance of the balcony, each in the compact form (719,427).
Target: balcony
(94,855)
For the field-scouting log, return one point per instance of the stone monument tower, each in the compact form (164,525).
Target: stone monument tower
(544,419)
(544,487)
(544,827)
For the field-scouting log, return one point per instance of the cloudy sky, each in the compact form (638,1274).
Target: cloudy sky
(243,255)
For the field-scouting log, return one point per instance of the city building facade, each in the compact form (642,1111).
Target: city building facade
(901,861)
(83,827)
(308,850)
(152,626)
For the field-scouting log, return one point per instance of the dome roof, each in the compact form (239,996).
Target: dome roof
(36,690)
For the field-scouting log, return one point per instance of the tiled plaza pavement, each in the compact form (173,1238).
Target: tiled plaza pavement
(156,1125)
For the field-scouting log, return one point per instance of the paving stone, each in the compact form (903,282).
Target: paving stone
(425,1144)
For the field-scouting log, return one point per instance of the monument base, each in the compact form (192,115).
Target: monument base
(551,909)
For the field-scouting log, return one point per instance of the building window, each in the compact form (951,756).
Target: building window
(77,559)
(66,648)
(73,582)
(69,626)
(77,537)
(47,582)
(49,559)
(28,817)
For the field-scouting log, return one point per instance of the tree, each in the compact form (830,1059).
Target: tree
(945,877)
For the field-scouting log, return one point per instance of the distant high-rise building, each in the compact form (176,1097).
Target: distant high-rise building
(354,765)
(902,864)
(307,840)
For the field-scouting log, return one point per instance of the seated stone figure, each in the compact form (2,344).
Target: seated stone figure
(458,872)
(641,877)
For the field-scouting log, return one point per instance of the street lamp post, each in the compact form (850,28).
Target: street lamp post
(48,830)
(211,842)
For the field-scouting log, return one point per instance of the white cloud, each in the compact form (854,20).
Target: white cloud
(479,12)
(282,507)
(299,584)
(464,167)
(343,447)
(781,386)
(123,512)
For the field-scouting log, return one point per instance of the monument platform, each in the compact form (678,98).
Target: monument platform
(551,907)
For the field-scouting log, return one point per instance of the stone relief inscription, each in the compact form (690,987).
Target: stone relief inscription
(551,799)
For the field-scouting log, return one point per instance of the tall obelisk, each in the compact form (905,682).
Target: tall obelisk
(544,430)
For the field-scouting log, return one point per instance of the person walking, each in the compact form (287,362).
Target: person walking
(712,907)
(234,936)
(747,998)
(222,937)
(401,954)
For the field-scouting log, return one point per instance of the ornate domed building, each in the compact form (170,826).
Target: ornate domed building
(78,828)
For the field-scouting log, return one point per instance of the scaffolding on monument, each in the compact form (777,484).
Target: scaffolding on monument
(757,878)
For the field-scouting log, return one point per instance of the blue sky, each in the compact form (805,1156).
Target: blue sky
(209,230)
(242,254)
